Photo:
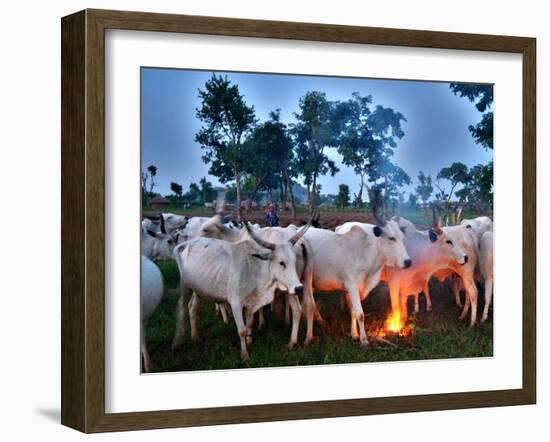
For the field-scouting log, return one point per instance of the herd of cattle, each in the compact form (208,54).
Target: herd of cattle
(241,267)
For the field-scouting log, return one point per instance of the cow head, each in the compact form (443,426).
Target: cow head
(216,228)
(390,244)
(282,259)
(447,243)
(406,226)
(162,244)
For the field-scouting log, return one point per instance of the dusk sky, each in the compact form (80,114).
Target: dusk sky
(436,130)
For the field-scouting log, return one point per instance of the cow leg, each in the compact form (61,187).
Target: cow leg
(249,315)
(193,313)
(426,291)
(395,297)
(309,306)
(488,295)
(471,300)
(296,315)
(223,310)
(182,315)
(261,318)
(237,310)
(287,308)
(353,323)
(455,283)
(144,351)
(465,308)
(416,304)
(357,313)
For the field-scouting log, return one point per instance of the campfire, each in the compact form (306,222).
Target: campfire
(394,326)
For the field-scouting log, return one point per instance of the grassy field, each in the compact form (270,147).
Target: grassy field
(435,335)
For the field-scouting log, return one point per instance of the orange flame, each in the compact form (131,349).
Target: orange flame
(393,323)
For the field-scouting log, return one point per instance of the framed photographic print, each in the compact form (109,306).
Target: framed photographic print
(270,220)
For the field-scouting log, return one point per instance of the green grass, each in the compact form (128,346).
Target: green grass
(436,335)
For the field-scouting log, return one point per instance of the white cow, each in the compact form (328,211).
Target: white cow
(152,288)
(164,222)
(196,223)
(479,225)
(350,260)
(440,251)
(157,245)
(214,228)
(486,269)
(243,274)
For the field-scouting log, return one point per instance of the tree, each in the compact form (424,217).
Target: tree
(482,96)
(457,173)
(315,130)
(206,190)
(413,201)
(342,200)
(148,178)
(194,193)
(424,190)
(270,153)
(177,189)
(226,120)
(367,139)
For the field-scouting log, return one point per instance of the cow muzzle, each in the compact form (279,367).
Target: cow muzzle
(407,263)
(465,260)
(299,290)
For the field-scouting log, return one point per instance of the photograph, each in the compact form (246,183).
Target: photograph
(296,220)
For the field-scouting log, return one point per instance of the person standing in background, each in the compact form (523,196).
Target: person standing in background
(271,218)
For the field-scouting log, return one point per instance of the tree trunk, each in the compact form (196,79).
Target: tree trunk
(313,200)
(359,197)
(238,186)
(291,194)
(254,192)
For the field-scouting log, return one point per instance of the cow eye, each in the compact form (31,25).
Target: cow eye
(170,241)
(468,226)
(392,238)
(283,264)
(449,242)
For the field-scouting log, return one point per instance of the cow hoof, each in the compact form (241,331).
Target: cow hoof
(308,341)
(429,308)
(245,358)
(291,345)
(364,344)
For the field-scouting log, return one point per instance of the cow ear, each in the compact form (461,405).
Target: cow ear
(432,235)
(153,234)
(377,231)
(264,256)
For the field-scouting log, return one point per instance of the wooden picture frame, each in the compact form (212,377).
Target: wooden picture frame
(83,219)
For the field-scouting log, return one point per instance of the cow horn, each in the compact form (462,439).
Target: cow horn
(260,241)
(436,224)
(459,215)
(377,218)
(152,217)
(162,226)
(296,237)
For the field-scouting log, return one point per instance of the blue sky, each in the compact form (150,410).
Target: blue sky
(436,130)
